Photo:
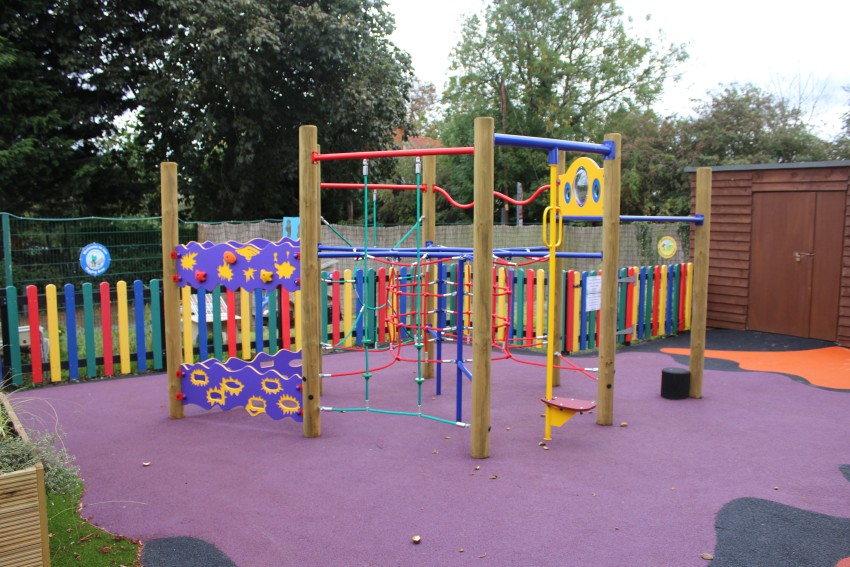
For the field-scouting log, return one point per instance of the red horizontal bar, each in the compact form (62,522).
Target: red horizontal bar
(454,203)
(527,201)
(317,157)
(387,186)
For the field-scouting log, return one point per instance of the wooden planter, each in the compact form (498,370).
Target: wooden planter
(23,511)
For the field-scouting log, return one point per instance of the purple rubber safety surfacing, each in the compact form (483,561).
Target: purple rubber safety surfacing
(645,493)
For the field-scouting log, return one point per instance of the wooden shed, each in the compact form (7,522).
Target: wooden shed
(780,249)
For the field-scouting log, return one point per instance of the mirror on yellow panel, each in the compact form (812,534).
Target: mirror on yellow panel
(582,190)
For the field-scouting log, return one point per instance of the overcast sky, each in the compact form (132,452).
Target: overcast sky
(771,44)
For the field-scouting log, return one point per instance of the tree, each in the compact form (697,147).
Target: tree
(67,69)
(742,124)
(551,69)
(841,148)
(735,125)
(239,78)
(653,178)
(421,110)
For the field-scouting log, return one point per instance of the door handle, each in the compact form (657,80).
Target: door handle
(799,255)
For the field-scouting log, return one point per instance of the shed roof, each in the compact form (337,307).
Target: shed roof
(763,166)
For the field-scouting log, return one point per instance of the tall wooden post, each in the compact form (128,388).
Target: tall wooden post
(429,232)
(555,334)
(699,305)
(309,210)
(610,269)
(171,291)
(482,289)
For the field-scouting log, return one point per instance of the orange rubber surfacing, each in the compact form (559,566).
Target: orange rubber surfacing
(824,367)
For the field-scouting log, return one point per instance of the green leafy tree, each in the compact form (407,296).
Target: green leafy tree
(653,178)
(734,125)
(841,149)
(422,109)
(552,69)
(743,124)
(238,80)
(67,70)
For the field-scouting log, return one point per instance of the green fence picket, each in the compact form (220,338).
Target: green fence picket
(156,324)
(88,323)
(14,337)
(216,322)
(622,289)
(274,302)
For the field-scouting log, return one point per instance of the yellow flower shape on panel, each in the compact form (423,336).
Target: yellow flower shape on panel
(216,396)
(232,385)
(284,270)
(271,385)
(187,262)
(255,406)
(225,272)
(248,252)
(199,378)
(288,404)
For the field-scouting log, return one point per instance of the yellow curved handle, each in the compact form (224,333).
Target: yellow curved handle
(559,223)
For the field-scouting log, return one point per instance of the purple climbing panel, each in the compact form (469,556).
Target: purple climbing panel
(258,264)
(268,384)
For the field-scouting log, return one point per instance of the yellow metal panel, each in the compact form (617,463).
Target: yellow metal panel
(592,205)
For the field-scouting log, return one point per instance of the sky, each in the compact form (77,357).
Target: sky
(777,45)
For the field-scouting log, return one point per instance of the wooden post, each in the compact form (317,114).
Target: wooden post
(699,305)
(429,232)
(171,291)
(610,269)
(555,334)
(309,211)
(482,287)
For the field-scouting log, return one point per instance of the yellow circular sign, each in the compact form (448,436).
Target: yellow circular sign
(667,247)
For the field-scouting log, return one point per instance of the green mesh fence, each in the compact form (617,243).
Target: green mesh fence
(43,251)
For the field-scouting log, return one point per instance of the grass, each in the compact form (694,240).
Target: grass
(74,541)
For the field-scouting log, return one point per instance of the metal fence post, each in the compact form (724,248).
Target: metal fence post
(7,251)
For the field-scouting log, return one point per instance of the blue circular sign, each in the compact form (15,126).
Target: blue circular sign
(94,258)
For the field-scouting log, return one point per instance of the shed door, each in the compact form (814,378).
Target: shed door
(795,271)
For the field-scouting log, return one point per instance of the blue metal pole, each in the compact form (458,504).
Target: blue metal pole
(459,331)
(604,149)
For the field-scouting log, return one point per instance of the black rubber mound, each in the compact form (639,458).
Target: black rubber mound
(759,533)
(183,552)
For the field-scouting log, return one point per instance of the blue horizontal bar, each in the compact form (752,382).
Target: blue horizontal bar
(605,149)
(696,219)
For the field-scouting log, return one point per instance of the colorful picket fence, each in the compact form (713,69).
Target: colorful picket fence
(93,331)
